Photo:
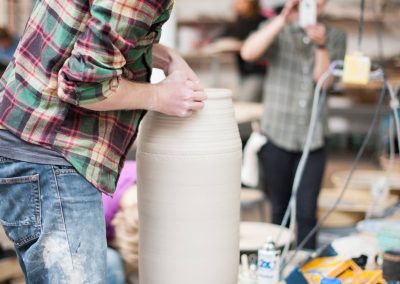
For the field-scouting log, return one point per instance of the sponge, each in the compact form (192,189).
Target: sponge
(356,69)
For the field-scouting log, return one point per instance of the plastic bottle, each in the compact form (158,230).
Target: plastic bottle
(268,264)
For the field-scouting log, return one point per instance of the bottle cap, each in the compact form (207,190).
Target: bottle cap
(327,280)
(269,244)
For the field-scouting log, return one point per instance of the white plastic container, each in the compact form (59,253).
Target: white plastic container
(268,264)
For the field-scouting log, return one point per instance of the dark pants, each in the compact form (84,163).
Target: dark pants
(278,168)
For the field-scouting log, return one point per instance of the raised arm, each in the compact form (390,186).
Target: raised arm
(259,42)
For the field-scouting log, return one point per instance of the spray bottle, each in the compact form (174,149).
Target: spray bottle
(268,264)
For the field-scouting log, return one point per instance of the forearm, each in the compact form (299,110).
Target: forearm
(176,95)
(322,62)
(179,94)
(256,45)
(133,95)
(128,96)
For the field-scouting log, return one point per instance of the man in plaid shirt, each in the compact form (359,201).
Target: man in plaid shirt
(70,104)
(297,57)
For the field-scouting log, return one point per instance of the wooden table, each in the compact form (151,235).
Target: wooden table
(247,111)
(358,201)
(253,235)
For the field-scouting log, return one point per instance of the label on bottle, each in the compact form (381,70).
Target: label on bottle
(268,266)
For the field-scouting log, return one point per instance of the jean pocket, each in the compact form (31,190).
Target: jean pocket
(4,160)
(64,170)
(20,212)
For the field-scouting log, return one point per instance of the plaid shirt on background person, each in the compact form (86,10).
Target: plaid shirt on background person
(72,53)
(289,87)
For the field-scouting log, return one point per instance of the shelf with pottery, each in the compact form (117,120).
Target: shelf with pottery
(359,196)
(359,201)
(247,111)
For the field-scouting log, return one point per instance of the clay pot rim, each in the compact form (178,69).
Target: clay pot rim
(218,93)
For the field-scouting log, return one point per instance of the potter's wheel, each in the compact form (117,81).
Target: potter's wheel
(253,235)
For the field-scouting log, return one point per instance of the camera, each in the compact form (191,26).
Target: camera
(307,13)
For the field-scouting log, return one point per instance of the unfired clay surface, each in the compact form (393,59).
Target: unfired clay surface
(189,195)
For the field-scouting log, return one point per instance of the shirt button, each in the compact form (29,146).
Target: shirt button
(306,40)
(302,103)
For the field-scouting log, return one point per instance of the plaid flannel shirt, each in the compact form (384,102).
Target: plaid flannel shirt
(74,52)
(289,87)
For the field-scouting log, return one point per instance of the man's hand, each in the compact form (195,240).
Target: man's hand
(170,61)
(179,95)
(290,11)
(317,33)
(177,63)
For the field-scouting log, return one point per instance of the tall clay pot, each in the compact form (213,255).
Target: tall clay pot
(189,195)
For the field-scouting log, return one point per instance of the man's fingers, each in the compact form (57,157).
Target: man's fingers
(199,96)
(196,105)
(294,3)
(311,34)
(311,29)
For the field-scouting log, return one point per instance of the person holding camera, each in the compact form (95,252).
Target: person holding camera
(297,57)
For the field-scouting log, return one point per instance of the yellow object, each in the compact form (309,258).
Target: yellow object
(363,277)
(356,69)
(336,267)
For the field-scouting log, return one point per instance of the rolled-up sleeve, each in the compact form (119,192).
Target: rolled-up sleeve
(94,68)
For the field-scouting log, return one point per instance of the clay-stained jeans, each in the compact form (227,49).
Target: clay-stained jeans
(55,219)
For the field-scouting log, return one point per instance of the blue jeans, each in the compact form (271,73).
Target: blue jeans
(55,219)
(115,267)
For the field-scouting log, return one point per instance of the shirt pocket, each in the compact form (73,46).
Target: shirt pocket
(20,210)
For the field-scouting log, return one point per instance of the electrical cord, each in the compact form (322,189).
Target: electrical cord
(293,208)
(371,208)
(378,74)
(394,105)
(361,24)
(354,166)
(316,108)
